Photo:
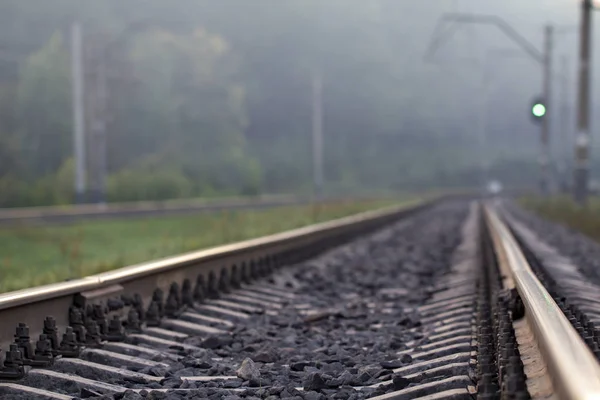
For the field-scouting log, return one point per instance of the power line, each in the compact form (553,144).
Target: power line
(544,58)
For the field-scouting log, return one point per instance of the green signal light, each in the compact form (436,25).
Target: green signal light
(538,110)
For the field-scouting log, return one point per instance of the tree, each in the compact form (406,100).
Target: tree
(43,108)
(188,110)
(205,100)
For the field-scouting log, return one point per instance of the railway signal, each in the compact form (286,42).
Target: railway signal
(538,109)
(582,143)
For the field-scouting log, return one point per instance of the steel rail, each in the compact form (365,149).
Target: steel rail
(136,271)
(31,306)
(574,371)
(28,296)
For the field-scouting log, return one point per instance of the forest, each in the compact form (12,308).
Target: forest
(213,98)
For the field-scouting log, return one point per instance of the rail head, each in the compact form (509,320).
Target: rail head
(42,293)
(573,367)
(153,267)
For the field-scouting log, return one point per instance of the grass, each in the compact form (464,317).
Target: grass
(564,211)
(32,256)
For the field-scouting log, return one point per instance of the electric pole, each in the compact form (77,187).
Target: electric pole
(101,124)
(582,141)
(547,87)
(317,128)
(97,108)
(482,120)
(78,113)
(564,121)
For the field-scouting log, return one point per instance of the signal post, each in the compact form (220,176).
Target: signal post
(582,141)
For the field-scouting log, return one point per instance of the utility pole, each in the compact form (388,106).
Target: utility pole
(78,113)
(546,95)
(317,128)
(564,121)
(582,141)
(482,120)
(97,109)
(101,124)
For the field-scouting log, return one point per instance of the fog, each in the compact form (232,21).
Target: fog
(212,98)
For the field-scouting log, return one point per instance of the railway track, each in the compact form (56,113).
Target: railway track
(84,212)
(74,213)
(444,300)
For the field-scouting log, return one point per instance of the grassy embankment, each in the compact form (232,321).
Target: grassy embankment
(564,211)
(31,256)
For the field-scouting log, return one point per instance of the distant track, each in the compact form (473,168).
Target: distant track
(65,214)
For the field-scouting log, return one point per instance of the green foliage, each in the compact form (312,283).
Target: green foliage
(204,100)
(43,108)
(63,182)
(138,185)
(10,191)
(566,212)
(190,91)
(50,189)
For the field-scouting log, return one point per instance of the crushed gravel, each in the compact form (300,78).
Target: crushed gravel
(360,290)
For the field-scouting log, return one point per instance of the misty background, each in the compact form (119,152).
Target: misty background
(213,98)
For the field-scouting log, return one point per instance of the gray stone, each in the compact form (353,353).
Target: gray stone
(266,356)
(248,371)
(399,382)
(211,342)
(391,364)
(232,383)
(314,381)
(131,395)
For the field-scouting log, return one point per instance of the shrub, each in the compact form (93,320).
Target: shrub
(136,185)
